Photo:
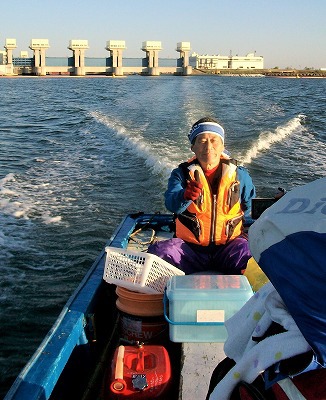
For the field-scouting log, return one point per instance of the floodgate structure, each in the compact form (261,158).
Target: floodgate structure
(115,64)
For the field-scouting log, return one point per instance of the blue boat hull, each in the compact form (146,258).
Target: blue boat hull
(73,356)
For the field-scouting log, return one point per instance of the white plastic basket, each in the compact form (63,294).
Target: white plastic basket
(138,271)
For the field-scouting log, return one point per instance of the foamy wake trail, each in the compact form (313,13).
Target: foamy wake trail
(18,200)
(136,142)
(267,139)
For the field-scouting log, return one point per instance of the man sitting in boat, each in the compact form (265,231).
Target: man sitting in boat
(210,196)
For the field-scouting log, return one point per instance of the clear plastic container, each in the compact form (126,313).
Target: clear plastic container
(196,306)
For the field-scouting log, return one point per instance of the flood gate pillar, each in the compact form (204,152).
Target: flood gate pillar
(116,47)
(9,46)
(184,48)
(152,48)
(78,48)
(39,46)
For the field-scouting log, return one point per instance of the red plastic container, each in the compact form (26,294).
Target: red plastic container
(140,372)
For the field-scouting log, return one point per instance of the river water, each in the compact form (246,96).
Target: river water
(78,153)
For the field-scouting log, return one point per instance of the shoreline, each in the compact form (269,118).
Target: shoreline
(265,73)
(271,73)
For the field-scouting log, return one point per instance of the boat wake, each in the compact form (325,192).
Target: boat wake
(19,200)
(133,140)
(268,138)
(18,207)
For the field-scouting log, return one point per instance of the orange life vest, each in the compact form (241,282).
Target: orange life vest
(214,217)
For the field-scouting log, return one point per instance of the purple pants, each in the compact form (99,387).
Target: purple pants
(229,259)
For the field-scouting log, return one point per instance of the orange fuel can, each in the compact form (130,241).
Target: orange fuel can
(140,372)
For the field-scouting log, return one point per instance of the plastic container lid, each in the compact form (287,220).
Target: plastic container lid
(199,287)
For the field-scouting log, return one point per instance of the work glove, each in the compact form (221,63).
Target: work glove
(193,190)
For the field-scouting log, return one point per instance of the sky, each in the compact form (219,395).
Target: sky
(287,33)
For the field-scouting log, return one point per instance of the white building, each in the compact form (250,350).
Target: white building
(250,61)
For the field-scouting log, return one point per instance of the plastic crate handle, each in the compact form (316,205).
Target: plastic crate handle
(165,307)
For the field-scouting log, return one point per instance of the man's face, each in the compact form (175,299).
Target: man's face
(208,149)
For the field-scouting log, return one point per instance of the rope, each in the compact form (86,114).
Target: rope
(151,240)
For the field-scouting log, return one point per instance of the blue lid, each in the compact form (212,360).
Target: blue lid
(211,286)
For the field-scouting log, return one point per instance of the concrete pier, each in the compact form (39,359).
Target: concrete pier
(78,47)
(152,48)
(10,46)
(116,47)
(39,46)
(184,48)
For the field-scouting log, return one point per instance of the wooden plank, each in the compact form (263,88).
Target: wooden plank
(199,361)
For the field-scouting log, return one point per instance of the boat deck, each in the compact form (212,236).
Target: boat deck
(198,362)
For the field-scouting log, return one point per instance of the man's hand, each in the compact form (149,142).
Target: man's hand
(193,190)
